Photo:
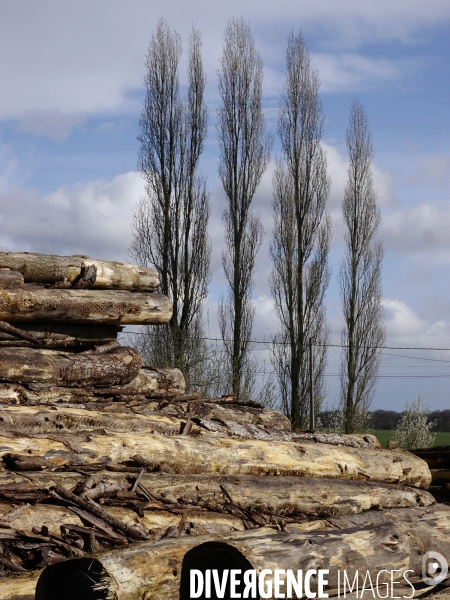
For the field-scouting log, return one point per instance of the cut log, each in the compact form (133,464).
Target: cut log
(207,411)
(437,457)
(79,271)
(153,522)
(284,497)
(22,587)
(61,331)
(53,335)
(218,455)
(10,279)
(356,440)
(147,383)
(31,365)
(441,475)
(162,569)
(65,419)
(150,379)
(109,307)
(262,424)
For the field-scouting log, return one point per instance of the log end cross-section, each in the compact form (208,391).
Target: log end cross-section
(72,580)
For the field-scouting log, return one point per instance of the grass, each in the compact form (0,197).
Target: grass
(384,435)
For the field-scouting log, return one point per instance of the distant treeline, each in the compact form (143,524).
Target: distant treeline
(388,419)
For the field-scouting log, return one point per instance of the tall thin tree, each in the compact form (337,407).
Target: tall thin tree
(301,237)
(244,156)
(360,277)
(170,222)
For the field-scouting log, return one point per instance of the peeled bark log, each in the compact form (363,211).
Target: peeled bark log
(161,569)
(79,271)
(109,307)
(218,455)
(64,369)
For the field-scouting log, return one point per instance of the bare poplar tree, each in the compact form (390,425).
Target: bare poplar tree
(170,222)
(360,277)
(244,156)
(301,237)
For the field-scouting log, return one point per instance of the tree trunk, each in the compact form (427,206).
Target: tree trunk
(54,368)
(218,455)
(109,307)
(79,271)
(161,569)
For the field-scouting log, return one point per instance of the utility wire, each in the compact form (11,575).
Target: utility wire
(271,342)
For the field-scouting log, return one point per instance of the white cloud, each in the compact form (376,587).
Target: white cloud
(86,57)
(401,321)
(50,123)
(418,229)
(419,275)
(434,169)
(9,167)
(351,72)
(92,218)
(407,328)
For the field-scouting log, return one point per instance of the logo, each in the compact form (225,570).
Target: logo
(432,562)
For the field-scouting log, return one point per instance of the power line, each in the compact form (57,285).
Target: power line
(417,357)
(271,343)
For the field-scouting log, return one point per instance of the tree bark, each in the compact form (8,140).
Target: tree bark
(155,569)
(79,271)
(108,307)
(218,455)
(31,365)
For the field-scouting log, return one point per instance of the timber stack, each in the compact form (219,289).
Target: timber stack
(114,481)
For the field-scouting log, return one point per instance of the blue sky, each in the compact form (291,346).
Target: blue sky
(71,78)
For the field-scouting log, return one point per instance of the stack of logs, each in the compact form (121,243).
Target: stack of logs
(103,456)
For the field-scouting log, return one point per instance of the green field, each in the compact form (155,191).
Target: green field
(384,435)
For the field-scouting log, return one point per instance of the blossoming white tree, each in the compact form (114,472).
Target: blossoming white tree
(413,430)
